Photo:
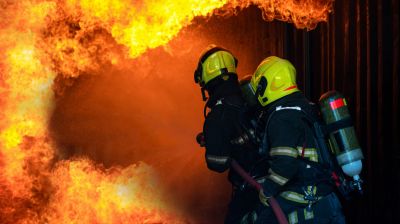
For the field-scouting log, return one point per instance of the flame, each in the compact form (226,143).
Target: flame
(45,40)
(304,14)
(116,195)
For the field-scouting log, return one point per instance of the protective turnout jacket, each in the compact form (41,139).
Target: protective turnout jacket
(291,148)
(222,125)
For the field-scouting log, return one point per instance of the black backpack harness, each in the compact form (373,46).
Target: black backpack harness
(327,170)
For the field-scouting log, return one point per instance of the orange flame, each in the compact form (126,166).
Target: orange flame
(42,40)
(304,14)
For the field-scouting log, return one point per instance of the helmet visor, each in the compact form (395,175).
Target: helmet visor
(248,94)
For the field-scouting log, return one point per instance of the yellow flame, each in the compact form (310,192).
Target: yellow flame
(153,23)
(110,196)
(146,24)
(28,89)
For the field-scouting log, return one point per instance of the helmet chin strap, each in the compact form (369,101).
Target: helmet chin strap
(261,88)
(203,94)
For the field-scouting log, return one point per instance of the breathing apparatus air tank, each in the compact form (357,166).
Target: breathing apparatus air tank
(342,137)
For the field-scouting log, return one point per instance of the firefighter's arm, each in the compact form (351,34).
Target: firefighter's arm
(284,135)
(217,146)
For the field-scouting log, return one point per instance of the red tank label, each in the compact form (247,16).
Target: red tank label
(338,103)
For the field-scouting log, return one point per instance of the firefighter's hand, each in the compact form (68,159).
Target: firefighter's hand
(263,198)
(200,139)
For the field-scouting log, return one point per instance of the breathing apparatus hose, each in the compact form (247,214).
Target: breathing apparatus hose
(271,201)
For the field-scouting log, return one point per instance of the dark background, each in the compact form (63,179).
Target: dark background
(151,110)
(357,53)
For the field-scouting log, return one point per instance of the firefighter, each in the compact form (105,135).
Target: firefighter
(227,130)
(295,177)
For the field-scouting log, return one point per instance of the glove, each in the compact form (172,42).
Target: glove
(263,198)
(200,139)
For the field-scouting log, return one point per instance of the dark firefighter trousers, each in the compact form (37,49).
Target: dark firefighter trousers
(243,204)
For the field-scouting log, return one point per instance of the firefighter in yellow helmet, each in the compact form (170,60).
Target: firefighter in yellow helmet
(296,177)
(227,130)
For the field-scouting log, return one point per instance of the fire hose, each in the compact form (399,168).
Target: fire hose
(280,216)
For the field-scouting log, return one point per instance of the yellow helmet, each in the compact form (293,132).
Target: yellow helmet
(214,62)
(273,79)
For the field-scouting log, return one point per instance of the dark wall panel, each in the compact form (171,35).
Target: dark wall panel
(357,53)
